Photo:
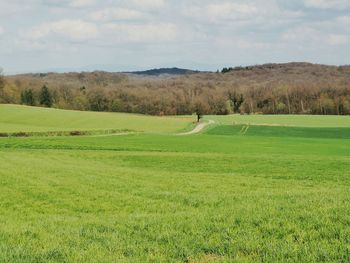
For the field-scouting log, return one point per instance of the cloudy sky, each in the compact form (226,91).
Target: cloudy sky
(41,35)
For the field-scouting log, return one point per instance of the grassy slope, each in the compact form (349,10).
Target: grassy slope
(286,120)
(14,118)
(169,198)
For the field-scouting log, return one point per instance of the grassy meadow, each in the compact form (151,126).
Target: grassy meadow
(285,120)
(14,118)
(229,194)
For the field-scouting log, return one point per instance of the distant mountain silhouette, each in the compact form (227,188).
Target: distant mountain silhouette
(165,71)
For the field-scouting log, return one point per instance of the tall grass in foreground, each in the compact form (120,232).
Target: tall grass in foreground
(152,198)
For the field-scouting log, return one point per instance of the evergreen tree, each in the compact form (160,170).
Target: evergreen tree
(27,97)
(45,97)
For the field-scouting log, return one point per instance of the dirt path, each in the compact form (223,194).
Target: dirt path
(198,128)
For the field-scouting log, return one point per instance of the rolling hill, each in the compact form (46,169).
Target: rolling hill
(15,118)
(165,71)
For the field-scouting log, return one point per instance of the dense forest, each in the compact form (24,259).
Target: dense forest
(293,88)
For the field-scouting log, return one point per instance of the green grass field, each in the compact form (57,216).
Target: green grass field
(14,118)
(267,194)
(281,131)
(284,120)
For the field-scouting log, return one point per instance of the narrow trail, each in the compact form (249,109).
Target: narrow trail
(198,128)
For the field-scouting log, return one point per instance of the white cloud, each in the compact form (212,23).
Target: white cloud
(30,45)
(69,3)
(222,11)
(81,3)
(328,4)
(72,29)
(14,9)
(302,35)
(111,14)
(236,14)
(314,36)
(104,33)
(345,20)
(242,43)
(148,33)
(1,30)
(182,29)
(231,10)
(335,39)
(148,4)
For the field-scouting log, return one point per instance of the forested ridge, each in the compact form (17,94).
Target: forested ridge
(292,88)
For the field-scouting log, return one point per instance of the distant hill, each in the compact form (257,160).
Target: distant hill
(165,71)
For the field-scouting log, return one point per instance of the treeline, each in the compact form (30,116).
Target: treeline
(295,88)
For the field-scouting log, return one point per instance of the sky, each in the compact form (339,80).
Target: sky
(123,35)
